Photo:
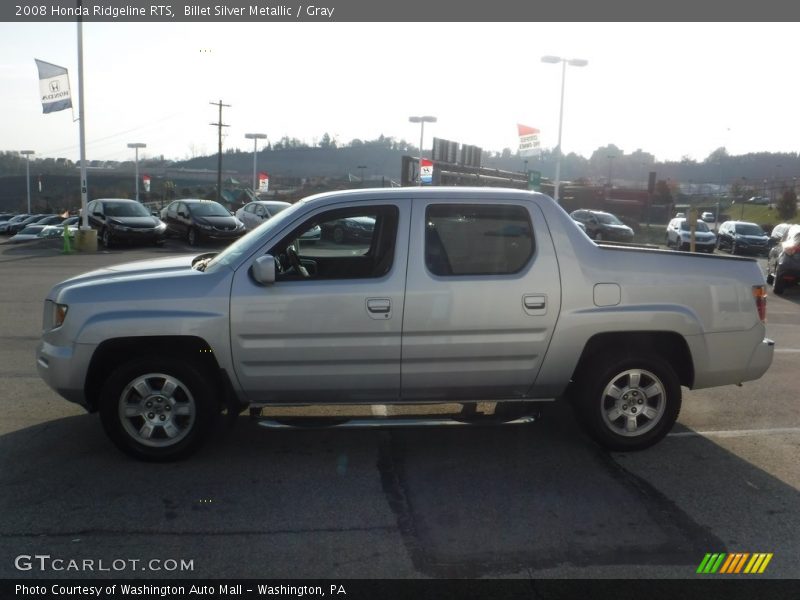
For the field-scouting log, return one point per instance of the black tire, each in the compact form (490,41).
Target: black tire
(642,412)
(778,285)
(105,238)
(149,423)
(770,276)
(191,236)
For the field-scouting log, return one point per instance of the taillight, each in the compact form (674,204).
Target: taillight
(760,296)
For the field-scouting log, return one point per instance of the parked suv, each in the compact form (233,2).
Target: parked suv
(679,236)
(196,220)
(120,219)
(783,264)
(742,237)
(603,226)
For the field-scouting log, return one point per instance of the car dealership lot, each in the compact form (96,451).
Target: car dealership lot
(526,501)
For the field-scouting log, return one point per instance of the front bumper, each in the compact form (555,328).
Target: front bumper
(699,246)
(59,367)
(138,236)
(220,235)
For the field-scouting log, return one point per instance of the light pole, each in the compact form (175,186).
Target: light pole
(255,137)
(27,155)
(573,62)
(136,146)
(421,121)
(611,158)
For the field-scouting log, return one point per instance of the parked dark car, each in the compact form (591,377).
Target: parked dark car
(197,220)
(4,227)
(741,237)
(783,264)
(50,220)
(349,229)
(14,227)
(122,220)
(603,225)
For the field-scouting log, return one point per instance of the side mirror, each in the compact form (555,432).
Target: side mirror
(264,269)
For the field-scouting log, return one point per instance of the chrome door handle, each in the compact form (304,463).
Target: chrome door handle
(534,302)
(382,307)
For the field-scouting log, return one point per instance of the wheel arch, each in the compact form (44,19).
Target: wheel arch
(112,353)
(669,345)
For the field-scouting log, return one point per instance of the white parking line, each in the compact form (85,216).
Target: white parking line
(787,350)
(736,433)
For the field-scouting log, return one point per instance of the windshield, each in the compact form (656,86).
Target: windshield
(275,207)
(701,226)
(248,244)
(749,229)
(608,219)
(208,209)
(124,209)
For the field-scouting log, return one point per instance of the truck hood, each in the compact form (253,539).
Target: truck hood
(139,268)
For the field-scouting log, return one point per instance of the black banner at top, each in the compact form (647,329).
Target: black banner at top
(395,11)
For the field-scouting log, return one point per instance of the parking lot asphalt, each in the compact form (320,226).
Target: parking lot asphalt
(535,501)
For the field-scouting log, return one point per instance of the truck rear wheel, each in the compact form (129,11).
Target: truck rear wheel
(628,402)
(157,409)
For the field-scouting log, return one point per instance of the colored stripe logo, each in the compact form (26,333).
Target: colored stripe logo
(736,563)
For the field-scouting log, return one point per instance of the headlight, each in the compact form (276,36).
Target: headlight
(161,227)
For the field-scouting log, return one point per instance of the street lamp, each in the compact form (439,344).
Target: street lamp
(573,62)
(255,137)
(421,121)
(611,158)
(136,146)
(27,155)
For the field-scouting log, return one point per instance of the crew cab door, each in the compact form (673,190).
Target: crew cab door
(332,335)
(482,298)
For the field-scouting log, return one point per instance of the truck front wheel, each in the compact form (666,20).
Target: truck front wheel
(627,402)
(157,409)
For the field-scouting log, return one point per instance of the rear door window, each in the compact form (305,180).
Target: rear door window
(475,239)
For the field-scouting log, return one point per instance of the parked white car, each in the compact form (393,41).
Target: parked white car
(255,213)
(679,236)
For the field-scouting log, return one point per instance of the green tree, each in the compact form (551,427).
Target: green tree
(787,205)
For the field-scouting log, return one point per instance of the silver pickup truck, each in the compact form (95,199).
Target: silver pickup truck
(409,296)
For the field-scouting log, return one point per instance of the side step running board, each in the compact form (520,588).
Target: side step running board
(297,423)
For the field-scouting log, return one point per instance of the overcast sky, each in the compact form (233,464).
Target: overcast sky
(671,89)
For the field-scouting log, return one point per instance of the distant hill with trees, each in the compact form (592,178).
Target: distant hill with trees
(290,161)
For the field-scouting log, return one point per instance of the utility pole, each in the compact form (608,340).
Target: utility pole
(219,125)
